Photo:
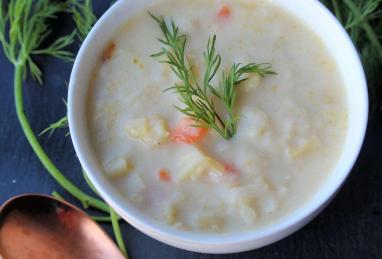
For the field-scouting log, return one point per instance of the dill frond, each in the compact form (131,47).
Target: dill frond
(363,21)
(24,25)
(83,16)
(199,99)
(61,123)
(28,28)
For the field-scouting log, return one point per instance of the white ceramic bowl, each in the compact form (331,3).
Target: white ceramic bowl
(310,12)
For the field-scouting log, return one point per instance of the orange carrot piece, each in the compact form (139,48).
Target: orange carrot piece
(164,175)
(230,168)
(187,133)
(224,12)
(108,52)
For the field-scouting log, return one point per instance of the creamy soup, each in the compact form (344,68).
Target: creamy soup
(290,130)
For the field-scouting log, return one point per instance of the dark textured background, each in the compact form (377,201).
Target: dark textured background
(350,227)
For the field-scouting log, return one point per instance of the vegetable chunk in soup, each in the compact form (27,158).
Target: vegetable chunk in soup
(288,127)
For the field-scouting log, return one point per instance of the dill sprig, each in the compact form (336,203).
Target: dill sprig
(84,19)
(23,28)
(229,84)
(363,21)
(60,124)
(83,16)
(28,28)
(199,100)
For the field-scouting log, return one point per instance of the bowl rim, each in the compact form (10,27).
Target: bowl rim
(205,242)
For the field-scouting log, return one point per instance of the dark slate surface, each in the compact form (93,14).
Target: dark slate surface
(350,227)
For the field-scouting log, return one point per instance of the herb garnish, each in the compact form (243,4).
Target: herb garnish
(83,16)
(24,26)
(28,28)
(199,101)
(363,21)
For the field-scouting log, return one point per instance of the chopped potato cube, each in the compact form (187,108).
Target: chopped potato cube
(269,205)
(247,211)
(304,148)
(210,223)
(248,199)
(171,214)
(135,187)
(254,199)
(150,130)
(194,164)
(257,123)
(118,167)
(138,128)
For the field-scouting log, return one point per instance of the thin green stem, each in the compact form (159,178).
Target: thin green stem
(373,37)
(227,135)
(337,10)
(101,218)
(58,196)
(117,232)
(32,139)
(90,184)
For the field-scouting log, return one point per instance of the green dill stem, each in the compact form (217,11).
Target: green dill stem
(58,196)
(101,218)
(366,27)
(48,164)
(117,232)
(95,218)
(337,10)
(90,184)
(227,135)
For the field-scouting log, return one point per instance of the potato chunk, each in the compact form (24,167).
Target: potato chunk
(257,123)
(135,187)
(150,130)
(118,167)
(244,201)
(247,211)
(253,199)
(303,148)
(213,223)
(195,164)
(170,213)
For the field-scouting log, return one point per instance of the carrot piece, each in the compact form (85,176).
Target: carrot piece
(108,51)
(187,133)
(164,175)
(224,12)
(230,168)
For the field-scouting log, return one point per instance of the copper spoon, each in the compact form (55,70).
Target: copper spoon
(39,226)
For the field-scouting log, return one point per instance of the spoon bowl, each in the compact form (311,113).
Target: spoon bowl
(39,226)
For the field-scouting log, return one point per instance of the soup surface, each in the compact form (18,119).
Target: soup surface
(290,130)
